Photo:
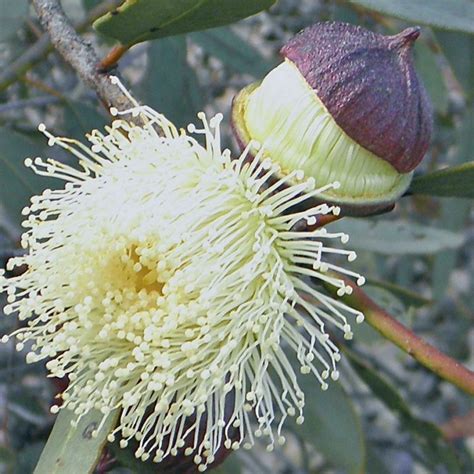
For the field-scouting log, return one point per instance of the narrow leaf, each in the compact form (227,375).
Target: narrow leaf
(173,90)
(17,183)
(454,181)
(458,49)
(454,213)
(332,426)
(141,20)
(230,466)
(75,449)
(80,118)
(233,51)
(396,237)
(426,62)
(408,297)
(457,15)
(427,434)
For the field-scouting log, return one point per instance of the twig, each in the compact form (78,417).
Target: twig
(34,28)
(459,427)
(40,85)
(25,62)
(426,354)
(79,54)
(43,47)
(34,102)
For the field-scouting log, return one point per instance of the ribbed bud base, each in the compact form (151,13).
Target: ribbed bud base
(298,132)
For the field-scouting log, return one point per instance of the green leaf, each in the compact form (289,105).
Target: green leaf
(141,20)
(428,435)
(457,15)
(88,4)
(7,458)
(454,181)
(170,85)
(332,426)
(12,17)
(80,118)
(27,457)
(386,299)
(126,458)
(17,183)
(375,464)
(408,297)
(230,466)
(396,237)
(428,68)
(73,449)
(454,212)
(233,51)
(458,49)
(26,406)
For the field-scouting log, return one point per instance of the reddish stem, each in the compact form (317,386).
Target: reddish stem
(323,220)
(113,56)
(426,354)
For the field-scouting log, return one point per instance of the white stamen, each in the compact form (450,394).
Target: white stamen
(164,279)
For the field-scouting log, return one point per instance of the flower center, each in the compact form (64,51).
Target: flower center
(144,273)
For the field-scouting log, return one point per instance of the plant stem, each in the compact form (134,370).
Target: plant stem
(426,354)
(110,61)
(78,53)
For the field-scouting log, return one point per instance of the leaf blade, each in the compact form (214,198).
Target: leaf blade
(408,297)
(142,20)
(17,183)
(174,90)
(454,181)
(233,51)
(74,449)
(396,237)
(457,180)
(457,15)
(330,422)
(428,435)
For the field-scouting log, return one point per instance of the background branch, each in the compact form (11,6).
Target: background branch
(78,53)
(39,50)
(24,103)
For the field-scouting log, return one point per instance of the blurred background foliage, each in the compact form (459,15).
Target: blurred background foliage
(387,414)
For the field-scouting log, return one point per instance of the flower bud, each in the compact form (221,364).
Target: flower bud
(346,105)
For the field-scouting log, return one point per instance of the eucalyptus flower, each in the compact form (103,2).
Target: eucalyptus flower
(171,282)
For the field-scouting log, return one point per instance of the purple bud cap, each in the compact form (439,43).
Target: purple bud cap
(368,83)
